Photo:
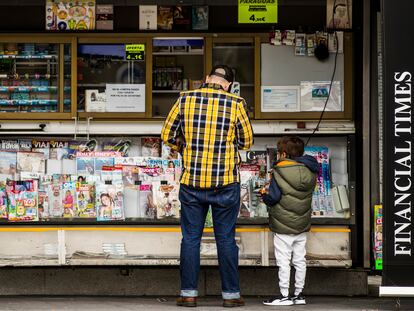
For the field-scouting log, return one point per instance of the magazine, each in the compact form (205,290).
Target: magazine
(9,145)
(247,173)
(69,199)
(23,196)
(122,146)
(8,162)
(168,153)
(85,199)
(3,201)
(109,202)
(43,205)
(55,199)
(130,175)
(322,202)
(31,162)
(147,17)
(172,170)
(182,17)
(147,207)
(166,199)
(151,146)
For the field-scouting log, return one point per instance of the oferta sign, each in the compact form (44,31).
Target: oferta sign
(135,52)
(257,11)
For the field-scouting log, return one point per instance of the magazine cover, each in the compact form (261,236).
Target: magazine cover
(69,199)
(76,146)
(172,170)
(25,145)
(122,146)
(55,200)
(151,147)
(149,174)
(23,201)
(43,206)
(166,199)
(200,17)
(322,203)
(109,202)
(31,162)
(259,208)
(130,175)
(165,18)
(101,162)
(247,173)
(85,199)
(8,162)
(168,153)
(3,201)
(9,145)
(85,166)
(147,207)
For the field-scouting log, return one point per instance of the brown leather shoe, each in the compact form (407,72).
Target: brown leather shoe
(233,303)
(187,301)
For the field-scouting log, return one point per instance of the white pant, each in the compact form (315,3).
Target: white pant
(290,248)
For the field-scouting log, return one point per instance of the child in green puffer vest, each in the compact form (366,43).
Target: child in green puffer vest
(289,199)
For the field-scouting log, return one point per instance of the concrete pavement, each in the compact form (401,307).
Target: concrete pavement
(210,303)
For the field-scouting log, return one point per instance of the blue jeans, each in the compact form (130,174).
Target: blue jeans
(225,204)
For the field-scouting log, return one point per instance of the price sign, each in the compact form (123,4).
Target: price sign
(135,52)
(257,11)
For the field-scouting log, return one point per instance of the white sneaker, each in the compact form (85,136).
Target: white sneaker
(278,301)
(299,299)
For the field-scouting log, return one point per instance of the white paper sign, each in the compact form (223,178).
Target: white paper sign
(315,93)
(280,98)
(125,97)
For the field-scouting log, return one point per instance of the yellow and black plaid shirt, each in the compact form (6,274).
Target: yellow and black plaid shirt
(215,125)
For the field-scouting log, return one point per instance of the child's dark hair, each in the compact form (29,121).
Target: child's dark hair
(293,146)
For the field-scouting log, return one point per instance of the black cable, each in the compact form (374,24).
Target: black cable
(332,78)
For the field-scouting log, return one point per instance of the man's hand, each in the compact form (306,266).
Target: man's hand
(180,140)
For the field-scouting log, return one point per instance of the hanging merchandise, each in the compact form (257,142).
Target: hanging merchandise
(70,15)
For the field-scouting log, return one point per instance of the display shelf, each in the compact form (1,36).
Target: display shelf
(32,102)
(167,91)
(177,53)
(12,56)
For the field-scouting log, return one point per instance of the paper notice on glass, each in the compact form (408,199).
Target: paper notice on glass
(125,97)
(280,98)
(313,96)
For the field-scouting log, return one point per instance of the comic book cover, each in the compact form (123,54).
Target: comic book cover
(3,201)
(151,147)
(166,199)
(69,199)
(23,198)
(109,202)
(147,207)
(200,17)
(182,17)
(85,199)
(31,162)
(8,162)
(55,199)
(322,202)
(130,175)
(43,205)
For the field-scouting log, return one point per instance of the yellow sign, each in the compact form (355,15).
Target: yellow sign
(257,11)
(134,47)
(135,52)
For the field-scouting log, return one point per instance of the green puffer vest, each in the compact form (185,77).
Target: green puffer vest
(292,215)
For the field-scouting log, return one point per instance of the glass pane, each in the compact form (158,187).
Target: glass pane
(67,81)
(29,77)
(240,57)
(102,64)
(178,64)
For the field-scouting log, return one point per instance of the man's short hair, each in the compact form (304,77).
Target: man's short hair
(226,72)
(293,146)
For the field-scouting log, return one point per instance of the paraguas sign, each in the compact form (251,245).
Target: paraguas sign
(257,11)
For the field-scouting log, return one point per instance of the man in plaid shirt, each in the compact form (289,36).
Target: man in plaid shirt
(209,126)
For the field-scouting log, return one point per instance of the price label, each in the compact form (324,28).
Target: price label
(257,11)
(135,52)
